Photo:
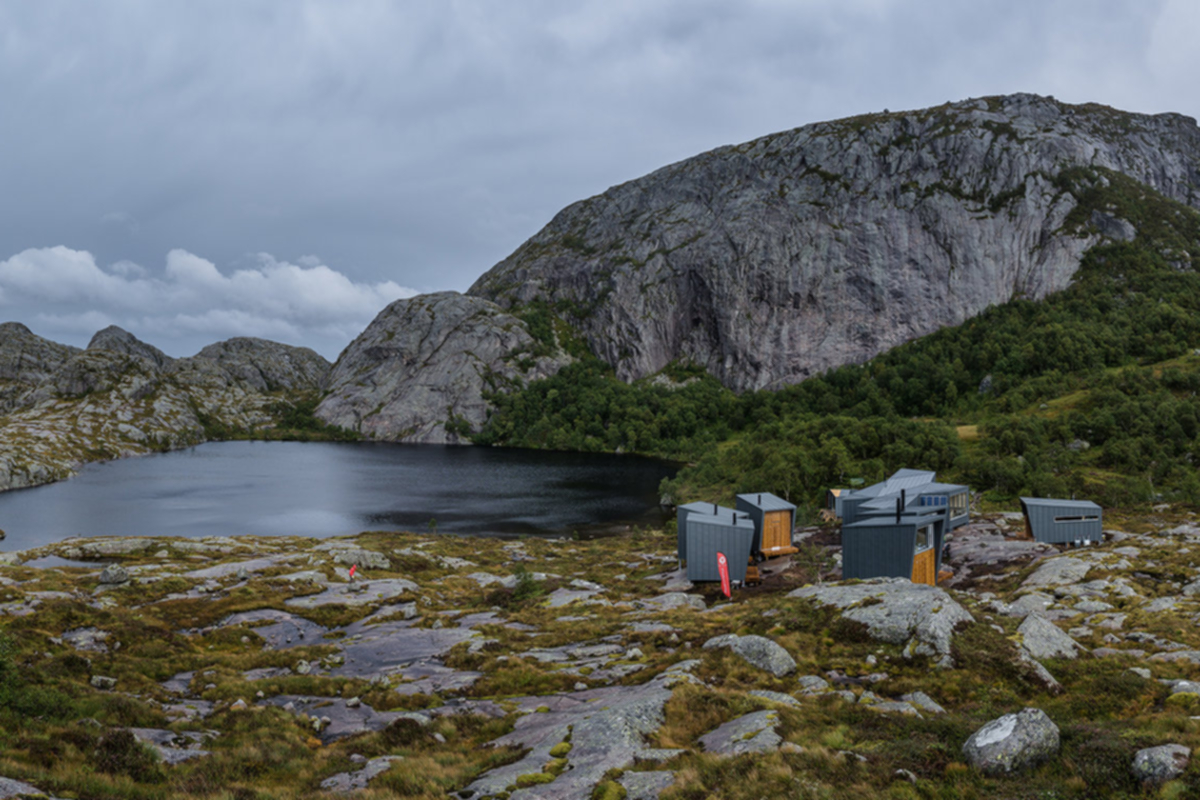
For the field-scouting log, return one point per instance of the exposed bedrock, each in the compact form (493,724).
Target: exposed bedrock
(773,260)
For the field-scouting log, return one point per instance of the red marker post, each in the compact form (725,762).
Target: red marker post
(353,569)
(723,569)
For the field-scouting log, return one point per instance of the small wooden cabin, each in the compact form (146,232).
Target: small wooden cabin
(728,532)
(774,518)
(1063,521)
(908,545)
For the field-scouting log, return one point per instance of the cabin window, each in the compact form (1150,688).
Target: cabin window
(958,504)
(924,538)
(1078,518)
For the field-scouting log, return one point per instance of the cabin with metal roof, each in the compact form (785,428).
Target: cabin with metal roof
(914,488)
(681,517)
(1063,521)
(906,545)
(774,518)
(726,531)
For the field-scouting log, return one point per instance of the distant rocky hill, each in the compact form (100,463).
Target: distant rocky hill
(764,263)
(770,261)
(61,406)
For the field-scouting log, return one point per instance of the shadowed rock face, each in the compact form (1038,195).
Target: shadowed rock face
(268,366)
(776,259)
(119,340)
(425,361)
(26,360)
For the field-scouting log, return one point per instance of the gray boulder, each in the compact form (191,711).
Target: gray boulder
(1058,571)
(1013,742)
(758,651)
(920,617)
(364,559)
(751,733)
(1043,639)
(424,364)
(114,573)
(1159,764)
(345,782)
(671,600)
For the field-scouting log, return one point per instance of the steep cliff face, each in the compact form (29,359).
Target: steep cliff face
(419,370)
(782,257)
(121,396)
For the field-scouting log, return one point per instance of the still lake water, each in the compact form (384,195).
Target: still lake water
(332,489)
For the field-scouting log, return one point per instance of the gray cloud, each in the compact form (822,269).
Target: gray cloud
(420,142)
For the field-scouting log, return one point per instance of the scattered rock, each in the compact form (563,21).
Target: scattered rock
(1057,572)
(1043,639)
(102,682)
(671,600)
(924,702)
(363,559)
(345,782)
(920,617)
(1013,742)
(645,785)
(751,733)
(758,651)
(114,574)
(1159,764)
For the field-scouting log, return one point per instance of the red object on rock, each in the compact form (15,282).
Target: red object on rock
(723,568)
(353,569)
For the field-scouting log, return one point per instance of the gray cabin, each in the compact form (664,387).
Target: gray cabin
(1063,521)
(774,518)
(915,490)
(727,532)
(681,517)
(906,545)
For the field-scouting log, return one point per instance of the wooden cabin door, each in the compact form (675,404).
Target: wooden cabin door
(924,567)
(777,534)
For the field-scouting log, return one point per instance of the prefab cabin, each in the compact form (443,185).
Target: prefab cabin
(905,545)
(681,517)
(727,532)
(916,489)
(1063,521)
(774,518)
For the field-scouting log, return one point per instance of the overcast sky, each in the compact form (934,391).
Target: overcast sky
(194,170)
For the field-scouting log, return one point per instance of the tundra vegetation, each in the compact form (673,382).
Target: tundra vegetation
(191,677)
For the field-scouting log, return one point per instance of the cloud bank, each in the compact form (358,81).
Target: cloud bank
(191,302)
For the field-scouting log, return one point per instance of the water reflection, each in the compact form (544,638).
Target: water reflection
(326,489)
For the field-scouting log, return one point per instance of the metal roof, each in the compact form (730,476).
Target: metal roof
(766,501)
(1048,502)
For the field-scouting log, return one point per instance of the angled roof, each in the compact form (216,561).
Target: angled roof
(1050,502)
(766,501)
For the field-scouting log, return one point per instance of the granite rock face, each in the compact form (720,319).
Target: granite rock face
(776,259)
(26,360)
(758,651)
(1013,742)
(425,362)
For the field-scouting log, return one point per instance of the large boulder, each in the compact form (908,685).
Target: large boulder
(419,372)
(1163,763)
(758,651)
(1059,571)
(1041,638)
(895,610)
(1013,742)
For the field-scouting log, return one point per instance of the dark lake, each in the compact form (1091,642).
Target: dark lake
(331,489)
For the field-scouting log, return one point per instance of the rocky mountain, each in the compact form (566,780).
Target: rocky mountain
(770,261)
(419,371)
(61,406)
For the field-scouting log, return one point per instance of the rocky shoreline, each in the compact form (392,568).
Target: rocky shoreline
(560,669)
